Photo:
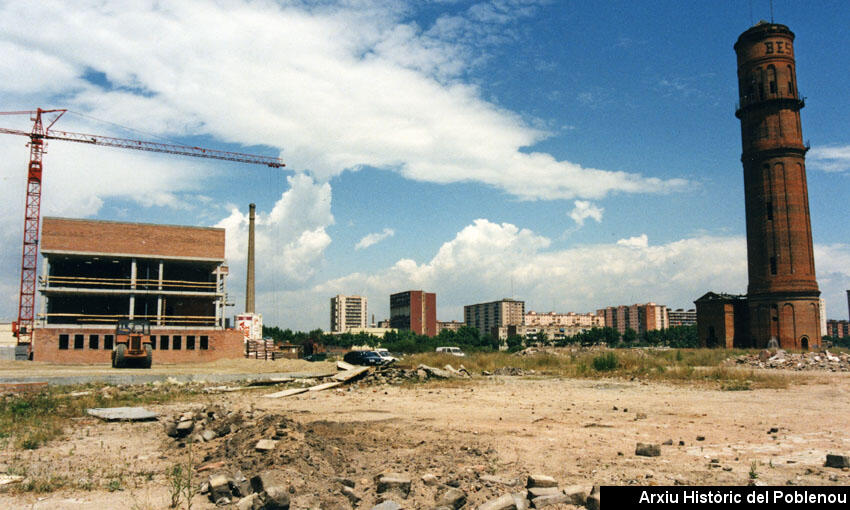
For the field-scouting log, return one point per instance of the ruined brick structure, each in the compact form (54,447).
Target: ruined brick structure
(782,294)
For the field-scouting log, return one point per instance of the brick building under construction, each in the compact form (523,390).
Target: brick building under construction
(97,272)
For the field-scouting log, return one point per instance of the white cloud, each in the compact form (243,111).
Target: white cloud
(641,241)
(290,240)
(338,85)
(486,260)
(835,158)
(374,238)
(584,210)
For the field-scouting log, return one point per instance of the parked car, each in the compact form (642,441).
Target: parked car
(367,358)
(454,351)
(386,355)
(316,356)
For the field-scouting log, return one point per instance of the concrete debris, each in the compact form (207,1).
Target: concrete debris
(351,494)
(452,498)
(122,413)
(265,445)
(287,393)
(837,461)
(9,479)
(387,505)
(823,360)
(513,371)
(648,450)
(541,481)
(394,482)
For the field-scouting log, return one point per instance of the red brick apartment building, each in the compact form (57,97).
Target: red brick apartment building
(97,272)
(415,310)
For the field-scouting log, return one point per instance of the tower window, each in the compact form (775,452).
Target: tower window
(773,265)
(769,208)
(771,79)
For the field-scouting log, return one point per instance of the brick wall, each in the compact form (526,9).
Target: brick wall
(221,344)
(92,236)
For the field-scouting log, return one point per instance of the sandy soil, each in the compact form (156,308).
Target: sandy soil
(9,369)
(579,431)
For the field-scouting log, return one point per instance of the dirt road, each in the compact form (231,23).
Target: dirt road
(578,431)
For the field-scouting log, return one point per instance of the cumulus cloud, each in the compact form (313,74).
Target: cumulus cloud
(339,85)
(374,238)
(584,210)
(290,240)
(641,241)
(485,260)
(835,158)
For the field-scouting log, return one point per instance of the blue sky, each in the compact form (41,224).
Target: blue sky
(569,155)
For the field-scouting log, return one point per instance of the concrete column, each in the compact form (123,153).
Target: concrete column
(249,280)
(159,296)
(218,297)
(132,289)
(45,275)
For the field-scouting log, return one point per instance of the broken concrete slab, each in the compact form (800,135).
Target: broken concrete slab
(287,393)
(122,413)
(394,482)
(550,499)
(345,366)
(505,502)
(647,450)
(837,461)
(536,492)
(324,386)
(577,494)
(350,374)
(541,481)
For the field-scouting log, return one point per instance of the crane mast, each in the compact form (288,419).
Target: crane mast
(23,327)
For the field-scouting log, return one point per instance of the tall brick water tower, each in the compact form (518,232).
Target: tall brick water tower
(782,295)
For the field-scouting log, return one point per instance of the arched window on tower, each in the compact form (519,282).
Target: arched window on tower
(761,83)
(771,79)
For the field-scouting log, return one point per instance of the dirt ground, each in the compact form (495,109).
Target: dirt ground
(581,432)
(10,369)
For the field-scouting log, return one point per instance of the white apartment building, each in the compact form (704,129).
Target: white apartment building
(565,320)
(348,312)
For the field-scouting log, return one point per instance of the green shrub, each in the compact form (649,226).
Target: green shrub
(606,362)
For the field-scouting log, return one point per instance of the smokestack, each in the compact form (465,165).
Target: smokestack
(249,280)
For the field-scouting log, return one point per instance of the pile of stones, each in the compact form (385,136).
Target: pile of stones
(540,491)
(823,360)
(395,375)
(263,492)
(204,424)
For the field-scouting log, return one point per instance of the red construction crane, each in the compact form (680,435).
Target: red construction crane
(39,135)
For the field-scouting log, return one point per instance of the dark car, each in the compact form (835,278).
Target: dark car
(317,356)
(366,358)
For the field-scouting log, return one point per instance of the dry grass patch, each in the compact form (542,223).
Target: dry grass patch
(685,366)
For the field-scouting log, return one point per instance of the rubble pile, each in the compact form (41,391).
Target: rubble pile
(203,423)
(396,375)
(823,360)
(263,461)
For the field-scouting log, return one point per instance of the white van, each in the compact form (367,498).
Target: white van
(454,351)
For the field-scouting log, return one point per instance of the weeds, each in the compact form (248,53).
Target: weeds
(606,362)
(754,474)
(684,366)
(181,487)
(30,420)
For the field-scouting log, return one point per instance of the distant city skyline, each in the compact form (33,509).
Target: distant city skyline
(574,157)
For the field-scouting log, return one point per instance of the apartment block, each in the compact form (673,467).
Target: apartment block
(97,272)
(348,312)
(414,310)
(837,329)
(682,317)
(564,320)
(639,317)
(449,325)
(487,318)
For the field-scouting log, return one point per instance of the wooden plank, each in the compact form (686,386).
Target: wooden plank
(286,393)
(325,386)
(350,374)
